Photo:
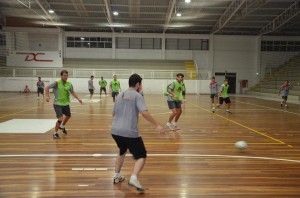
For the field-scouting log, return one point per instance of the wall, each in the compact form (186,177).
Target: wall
(80,85)
(236,54)
(34,47)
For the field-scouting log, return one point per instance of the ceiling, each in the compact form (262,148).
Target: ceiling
(238,17)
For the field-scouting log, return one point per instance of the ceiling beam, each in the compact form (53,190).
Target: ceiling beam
(45,6)
(108,15)
(169,14)
(282,19)
(228,14)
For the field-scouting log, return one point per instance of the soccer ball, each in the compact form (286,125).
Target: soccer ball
(241,145)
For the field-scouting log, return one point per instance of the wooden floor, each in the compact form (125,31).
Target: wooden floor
(198,161)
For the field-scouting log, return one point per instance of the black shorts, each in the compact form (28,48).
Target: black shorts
(227,100)
(91,91)
(135,146)
(284,97)
(114,94)
(174,104)
(40,90)
(62,110)
(103,89)
(213,96)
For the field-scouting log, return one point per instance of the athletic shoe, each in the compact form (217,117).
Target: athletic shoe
(135,183)
(118,179)
(213,109)
(286,106)
(55,136)
(63,130)
(171,127)
(228,111)
(175,126)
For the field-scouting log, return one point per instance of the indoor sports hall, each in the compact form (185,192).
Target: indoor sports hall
(238,62)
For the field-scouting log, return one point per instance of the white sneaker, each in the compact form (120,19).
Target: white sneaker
(175,125)
(228,111)
(135,183)
(118,179)
(171,127)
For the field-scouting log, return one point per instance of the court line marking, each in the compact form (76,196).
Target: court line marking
(260,133)
(267,107)
(15,97)
(146,143)
(152,155)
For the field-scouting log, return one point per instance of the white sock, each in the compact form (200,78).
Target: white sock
(168,123)
(133,177)
(117,174)
(175,123)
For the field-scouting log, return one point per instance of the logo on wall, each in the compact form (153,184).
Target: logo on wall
(34,57)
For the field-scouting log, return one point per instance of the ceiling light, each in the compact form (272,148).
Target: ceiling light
(82,38)
(115,13)
(187,1)
(178,14)
(51,11)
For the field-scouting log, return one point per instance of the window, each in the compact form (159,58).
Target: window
(187,44)
(280,46)
(89,42)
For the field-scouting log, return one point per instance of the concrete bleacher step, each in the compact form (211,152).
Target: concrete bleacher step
(289,71)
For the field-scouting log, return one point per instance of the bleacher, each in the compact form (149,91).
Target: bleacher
(271,83)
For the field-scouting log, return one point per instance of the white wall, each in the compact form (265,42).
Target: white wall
(94,53)
(236,54)
(150,86)
(38,44)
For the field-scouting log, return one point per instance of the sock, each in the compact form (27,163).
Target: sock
(175,123)
(62,126)
(55,132)
(117,175)
(133,177)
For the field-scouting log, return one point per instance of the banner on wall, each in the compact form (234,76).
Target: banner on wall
(34,59)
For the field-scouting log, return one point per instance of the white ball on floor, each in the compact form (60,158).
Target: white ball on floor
(241,145)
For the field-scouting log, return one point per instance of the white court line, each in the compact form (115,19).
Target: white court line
(153,155)
(266,107)
(82,185)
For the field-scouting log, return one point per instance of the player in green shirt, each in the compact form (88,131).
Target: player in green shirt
(102,84)
(223,93)
(115,86)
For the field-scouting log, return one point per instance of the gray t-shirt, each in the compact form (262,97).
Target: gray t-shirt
(90,84)
(126,109)
(171,86)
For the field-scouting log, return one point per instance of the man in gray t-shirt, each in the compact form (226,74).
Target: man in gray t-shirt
(91,87)
(125,132)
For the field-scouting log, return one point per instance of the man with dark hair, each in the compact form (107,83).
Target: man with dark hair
(213,87)
(102,84)
(125,131)
(284,90)
(40,87)
(224,96)
(91,87)
(115,86)
(61,90)
(175,98)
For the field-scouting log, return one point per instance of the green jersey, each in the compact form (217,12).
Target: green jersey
(102,83)
(115,85)
(61,92)
(224,90)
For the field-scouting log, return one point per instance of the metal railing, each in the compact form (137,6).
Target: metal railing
(106,73)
